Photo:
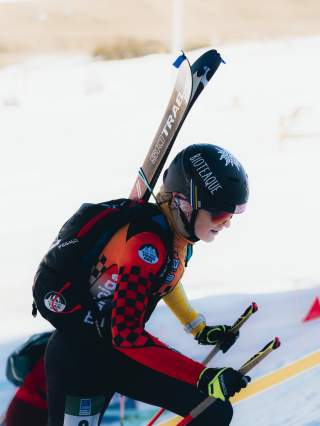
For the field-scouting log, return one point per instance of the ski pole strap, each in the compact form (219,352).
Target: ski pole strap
(235,327)
(246,367)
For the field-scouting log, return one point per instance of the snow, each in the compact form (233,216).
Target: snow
(295,403)
(74,129)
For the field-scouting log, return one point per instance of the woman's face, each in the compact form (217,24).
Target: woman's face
(207,225)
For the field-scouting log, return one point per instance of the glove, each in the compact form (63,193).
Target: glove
(221,383)
(217,334)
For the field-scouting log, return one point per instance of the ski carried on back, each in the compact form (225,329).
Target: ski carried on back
(191,81)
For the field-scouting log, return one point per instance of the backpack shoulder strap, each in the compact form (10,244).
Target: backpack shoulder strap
(151,219)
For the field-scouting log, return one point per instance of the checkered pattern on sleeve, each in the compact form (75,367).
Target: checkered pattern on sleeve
(138,281)
(130,304)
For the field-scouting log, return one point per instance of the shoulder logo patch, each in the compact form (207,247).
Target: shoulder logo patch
(148,254)
(55,302)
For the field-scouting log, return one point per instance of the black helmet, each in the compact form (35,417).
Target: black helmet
(210,177)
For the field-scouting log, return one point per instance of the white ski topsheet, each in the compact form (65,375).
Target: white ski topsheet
(75,130)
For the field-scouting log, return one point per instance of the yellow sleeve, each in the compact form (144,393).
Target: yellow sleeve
(179,304)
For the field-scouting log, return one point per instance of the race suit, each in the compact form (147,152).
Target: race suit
(101,345)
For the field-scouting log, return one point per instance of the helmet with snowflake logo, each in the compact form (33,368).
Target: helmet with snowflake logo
(210,177)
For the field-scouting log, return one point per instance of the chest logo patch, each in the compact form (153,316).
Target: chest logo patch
(148,254)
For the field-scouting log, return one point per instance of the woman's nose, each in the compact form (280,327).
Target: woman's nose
(227,223)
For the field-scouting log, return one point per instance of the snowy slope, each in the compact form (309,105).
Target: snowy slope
(293,403)
(74,130)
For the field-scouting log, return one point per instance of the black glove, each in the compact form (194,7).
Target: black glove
(221,383)
(217,334)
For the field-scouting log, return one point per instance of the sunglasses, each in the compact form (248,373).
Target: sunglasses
(219,216)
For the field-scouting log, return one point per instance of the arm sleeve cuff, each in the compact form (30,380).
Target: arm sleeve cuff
(179,304)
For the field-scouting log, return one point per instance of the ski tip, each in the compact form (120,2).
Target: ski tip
(276,343)
(221,59)
(218,56)
(254,307)
(179,60)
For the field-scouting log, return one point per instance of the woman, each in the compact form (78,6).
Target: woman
(103,277)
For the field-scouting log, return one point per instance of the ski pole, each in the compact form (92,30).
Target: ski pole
(235,327)
(246,367)
(122,409)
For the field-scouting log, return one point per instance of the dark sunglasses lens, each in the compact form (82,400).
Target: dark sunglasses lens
(218,214)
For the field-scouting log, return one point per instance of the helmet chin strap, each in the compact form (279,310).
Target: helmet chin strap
(189,226)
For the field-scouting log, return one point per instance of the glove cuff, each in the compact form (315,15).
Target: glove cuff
(212,384)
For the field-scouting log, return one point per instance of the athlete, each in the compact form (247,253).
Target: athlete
(25,369)
(102,278)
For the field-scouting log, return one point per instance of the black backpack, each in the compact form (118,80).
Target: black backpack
(82,238)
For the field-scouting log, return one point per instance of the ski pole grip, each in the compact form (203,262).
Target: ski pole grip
(259,356)
(244,317)
(235,327)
